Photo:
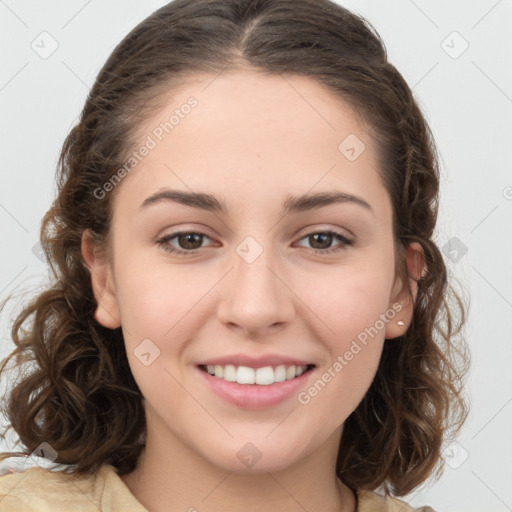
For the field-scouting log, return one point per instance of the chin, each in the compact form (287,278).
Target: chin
(252,458)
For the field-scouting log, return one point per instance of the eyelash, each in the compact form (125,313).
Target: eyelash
(162,242)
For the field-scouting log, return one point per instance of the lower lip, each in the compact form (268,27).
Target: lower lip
(255,396)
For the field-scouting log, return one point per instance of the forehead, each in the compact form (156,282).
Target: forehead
(251,135)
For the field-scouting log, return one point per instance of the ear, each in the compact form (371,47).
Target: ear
(107,310)
(416,268)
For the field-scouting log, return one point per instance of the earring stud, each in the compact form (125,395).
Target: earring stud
(400,322)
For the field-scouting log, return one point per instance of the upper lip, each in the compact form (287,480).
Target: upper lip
(256,361)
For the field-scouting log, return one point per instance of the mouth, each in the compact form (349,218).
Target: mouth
(262,376)
(256,388)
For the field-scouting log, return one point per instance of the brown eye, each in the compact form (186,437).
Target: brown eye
(187,242)
(322,240)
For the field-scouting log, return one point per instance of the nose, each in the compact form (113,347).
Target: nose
(256,296)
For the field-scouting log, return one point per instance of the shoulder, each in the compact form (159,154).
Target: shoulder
(44,490)
(370,501)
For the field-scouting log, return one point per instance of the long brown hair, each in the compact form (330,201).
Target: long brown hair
(80,395)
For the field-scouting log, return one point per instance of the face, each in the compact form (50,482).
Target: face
(252,278)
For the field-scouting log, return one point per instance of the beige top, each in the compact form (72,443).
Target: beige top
(42,490)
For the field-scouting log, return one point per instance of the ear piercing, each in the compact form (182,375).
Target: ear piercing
(400,322)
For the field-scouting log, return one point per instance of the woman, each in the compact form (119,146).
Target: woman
(249,309)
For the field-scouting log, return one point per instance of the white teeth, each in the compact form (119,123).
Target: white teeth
(245,375)
(290,372)
(263,376)
(230,373)
(280,373)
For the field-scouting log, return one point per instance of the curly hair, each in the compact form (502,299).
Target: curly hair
(80,395)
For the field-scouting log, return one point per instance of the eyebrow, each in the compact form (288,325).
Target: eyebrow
(292,204)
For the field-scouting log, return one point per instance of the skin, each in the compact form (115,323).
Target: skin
(251,141)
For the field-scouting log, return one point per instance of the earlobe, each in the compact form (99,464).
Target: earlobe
(403,304)
(107,310)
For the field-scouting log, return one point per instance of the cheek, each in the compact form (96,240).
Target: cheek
(348,300)
(351,319)
(357,310)
(153,297)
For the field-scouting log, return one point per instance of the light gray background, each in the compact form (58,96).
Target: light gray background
(467,98)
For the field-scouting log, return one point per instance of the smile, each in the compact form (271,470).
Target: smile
(263,376)
(256,388)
